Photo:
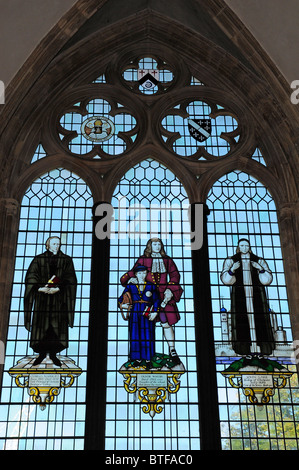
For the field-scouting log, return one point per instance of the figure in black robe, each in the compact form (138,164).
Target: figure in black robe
(49,301)
(247,274)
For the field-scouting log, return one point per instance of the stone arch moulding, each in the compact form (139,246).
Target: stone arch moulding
(147,29)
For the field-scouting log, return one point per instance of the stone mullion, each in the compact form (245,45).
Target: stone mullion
(9,223)
(289,235)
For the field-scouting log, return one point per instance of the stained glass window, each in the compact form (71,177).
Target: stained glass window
(39,154)
(257,155)
(58,204)
(152,400)
(149,201)
(243,209)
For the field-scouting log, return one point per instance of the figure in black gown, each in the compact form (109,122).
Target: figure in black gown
(247,274)
(49,301)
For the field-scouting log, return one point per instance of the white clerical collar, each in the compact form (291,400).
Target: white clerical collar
(156,255)
(158,263)
(245,255)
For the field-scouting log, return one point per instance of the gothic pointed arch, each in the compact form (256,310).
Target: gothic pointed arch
(77,58)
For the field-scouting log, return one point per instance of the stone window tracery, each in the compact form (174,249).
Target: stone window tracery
(177,119)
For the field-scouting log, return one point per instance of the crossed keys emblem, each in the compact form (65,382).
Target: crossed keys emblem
(200,129)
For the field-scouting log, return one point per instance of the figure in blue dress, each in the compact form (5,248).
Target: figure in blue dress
(142,303)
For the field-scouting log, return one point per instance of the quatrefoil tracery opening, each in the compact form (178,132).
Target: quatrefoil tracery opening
(199,129)
(100,126)
(148,76)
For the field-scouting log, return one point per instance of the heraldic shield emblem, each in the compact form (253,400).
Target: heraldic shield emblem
(200,129)
(148,79)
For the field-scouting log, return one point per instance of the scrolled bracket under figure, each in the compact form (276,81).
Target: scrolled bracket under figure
(49,301)
(248,274)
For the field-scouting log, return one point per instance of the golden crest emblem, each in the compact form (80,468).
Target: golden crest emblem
(97,129)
